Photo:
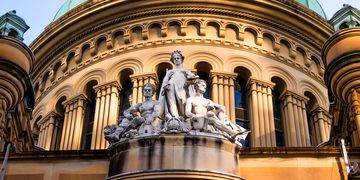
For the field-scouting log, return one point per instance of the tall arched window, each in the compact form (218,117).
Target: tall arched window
(126,90)
(311,106)
(161,72)
(60,110)
(241,100)
(203,71)
(279,88)
(89,114)
(13,33)
(36,130)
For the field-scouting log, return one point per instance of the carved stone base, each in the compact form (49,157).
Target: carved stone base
(175,157)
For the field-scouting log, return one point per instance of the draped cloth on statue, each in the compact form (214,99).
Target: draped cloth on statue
(174,91)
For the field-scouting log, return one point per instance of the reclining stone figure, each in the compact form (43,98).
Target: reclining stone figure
(132,124)
(207,116)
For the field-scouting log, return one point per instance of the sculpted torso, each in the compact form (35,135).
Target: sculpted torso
(147,108)
(199,105)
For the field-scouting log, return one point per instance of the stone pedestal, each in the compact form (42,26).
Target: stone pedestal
(175,157)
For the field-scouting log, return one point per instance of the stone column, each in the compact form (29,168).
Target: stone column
(106,112)
(320,125)
(222,85)
(73,123)
(138,83)
(261,113)
(49,128)
(295,121)
(355,116)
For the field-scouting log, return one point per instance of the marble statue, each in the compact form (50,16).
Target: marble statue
(181,108)
(207,116)
(131,125)
(174,91)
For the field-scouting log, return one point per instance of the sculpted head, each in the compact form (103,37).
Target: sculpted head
(177,58)
(148,90)
(200,86)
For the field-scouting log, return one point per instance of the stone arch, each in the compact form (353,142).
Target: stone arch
(100,43)
(118,36)
(252,29)
(268,36)
(216,24)
(66,90)
(197,24)
(176,25)
(301,55)
(160,70)
(45,79)
(57,69)
(98,75)
(254,32)
(190,21)
(85,51)
(203,70)
(216,63)
(38,112)
(285,47)
(152,62)
(136,33)
(154,30)
(286,76)
(306,86)
(232,27)
(173,21)
(131,63)
(239,61)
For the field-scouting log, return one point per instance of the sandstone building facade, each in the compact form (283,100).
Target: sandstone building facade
(261,60)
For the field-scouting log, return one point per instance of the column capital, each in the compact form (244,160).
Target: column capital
(107,85)
(223,74)
(145,76)
(294,95)
(48,116)
(252,81)
(75,99)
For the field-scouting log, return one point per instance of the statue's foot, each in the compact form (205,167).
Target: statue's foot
(238,133)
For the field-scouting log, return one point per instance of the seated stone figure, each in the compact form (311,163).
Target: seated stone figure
(207,116)
(132,124)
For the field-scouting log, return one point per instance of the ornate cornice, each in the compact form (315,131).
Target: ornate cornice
(136,15)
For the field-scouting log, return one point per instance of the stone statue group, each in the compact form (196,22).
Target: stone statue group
(181,108)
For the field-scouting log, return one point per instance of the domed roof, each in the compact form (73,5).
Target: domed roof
(313,5)
(67,6)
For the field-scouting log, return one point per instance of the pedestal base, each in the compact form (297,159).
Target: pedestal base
(174,157)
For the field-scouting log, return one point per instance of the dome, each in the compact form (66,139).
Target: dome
(67,6)
(313,5)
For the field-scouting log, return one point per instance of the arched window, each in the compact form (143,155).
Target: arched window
(36,131)
(161,72)
(279,88)
(344,25)
(241,104)
(126,90)
(203,71)
(59,109)
(311,106)
(13,33)
(89,114)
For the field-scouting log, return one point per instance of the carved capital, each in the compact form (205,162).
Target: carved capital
(258,83)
